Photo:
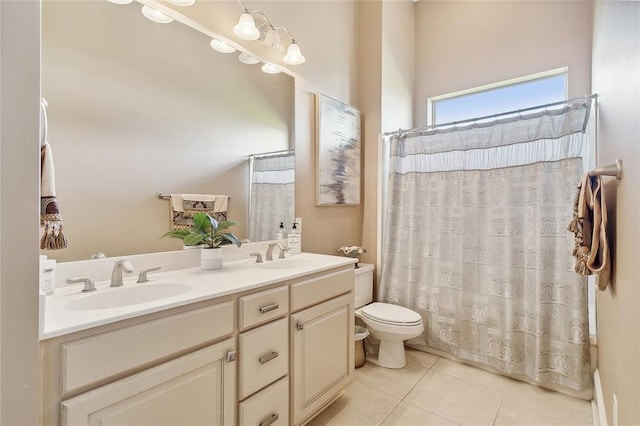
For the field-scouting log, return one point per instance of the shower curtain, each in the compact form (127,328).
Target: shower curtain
(272,194)
(475,240)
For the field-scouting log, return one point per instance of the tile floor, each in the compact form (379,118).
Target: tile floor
(432,390)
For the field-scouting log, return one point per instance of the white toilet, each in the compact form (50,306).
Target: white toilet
(390,324)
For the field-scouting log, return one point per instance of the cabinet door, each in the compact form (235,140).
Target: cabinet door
(322,355)
(195,389)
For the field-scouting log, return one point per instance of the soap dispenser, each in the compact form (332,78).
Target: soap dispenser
(294,240)
(280,232)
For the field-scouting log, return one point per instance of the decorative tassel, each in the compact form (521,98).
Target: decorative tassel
(53,237)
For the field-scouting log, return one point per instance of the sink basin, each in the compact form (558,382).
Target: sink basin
(287,263)
(131,294)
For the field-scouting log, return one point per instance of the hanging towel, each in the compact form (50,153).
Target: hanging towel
(184,206)
(589,225)
(53,237)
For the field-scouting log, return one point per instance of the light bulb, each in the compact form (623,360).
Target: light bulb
(246,28)
(293,56)
(247,59)
(270,69)
(182,2)
(155,15)
(222,46)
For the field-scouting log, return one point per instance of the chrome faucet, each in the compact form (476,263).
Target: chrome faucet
(116,273)
(282,248)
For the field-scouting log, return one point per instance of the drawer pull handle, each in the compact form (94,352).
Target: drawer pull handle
(272,419)
(268,357)
(269,308)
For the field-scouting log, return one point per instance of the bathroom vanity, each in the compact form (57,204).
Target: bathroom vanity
(268,344)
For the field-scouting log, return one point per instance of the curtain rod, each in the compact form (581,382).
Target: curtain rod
(471,120)
(269,154)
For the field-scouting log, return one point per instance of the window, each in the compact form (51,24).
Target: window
(511,95)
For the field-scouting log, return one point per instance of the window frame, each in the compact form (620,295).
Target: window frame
(431,110)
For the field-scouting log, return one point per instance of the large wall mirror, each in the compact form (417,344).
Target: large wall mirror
(136,108)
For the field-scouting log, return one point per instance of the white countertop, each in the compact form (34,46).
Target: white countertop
(234,277)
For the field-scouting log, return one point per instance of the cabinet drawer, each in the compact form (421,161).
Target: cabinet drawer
(264,356)
(319,289)
(95,358)
(270,406)
(261,307)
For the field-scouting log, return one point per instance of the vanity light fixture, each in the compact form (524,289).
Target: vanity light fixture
(294,55)
(120,1)
(254,25)
(182,2)
(155,15)
(246,28)
(245,58)
(221,46)
(270,69)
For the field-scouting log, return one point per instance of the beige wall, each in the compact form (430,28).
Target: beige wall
(137,108)
(465,44)
(616,71)
(19,180)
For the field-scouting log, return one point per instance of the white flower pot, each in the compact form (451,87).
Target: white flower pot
(211,258)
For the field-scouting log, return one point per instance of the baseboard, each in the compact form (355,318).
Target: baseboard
(597,403)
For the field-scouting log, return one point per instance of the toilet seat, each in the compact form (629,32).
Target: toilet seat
(386,313)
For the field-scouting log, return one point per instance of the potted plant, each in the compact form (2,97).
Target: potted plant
(210,234)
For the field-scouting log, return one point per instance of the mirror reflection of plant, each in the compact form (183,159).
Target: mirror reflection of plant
(206,231)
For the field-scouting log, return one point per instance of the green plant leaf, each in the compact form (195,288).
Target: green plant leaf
(225,224)
(177,233)
(201,222)
(231,238)
(194,239)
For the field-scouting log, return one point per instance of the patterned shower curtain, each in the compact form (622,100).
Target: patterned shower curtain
(272,194)
(475,240)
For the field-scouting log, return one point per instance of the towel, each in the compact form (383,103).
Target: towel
(53,237)
(589,225)
(184,206)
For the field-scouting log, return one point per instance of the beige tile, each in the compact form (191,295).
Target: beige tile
(419,358)
(360,404)
(528,404)
(409,415)
(455,399)
(397,382)
(472,374)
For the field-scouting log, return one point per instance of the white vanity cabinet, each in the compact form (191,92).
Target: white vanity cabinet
(322,363)
(273,355)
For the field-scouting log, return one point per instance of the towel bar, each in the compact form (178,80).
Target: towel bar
(162,196)
(609,170)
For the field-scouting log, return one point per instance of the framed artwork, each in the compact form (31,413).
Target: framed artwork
(338,152)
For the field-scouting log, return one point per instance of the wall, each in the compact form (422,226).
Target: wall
(465,44)
(137,108)
(19,180)
(327,32)
(616,67)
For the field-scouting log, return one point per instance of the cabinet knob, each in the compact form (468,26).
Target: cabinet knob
(272,419)
(299,325)
(231,356)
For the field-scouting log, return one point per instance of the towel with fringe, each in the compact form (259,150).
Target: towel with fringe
(184,206)
(53,237)
(589,225)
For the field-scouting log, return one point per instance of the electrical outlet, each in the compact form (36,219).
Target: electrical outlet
(615,410)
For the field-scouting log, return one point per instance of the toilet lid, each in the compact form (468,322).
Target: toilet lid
(387,313)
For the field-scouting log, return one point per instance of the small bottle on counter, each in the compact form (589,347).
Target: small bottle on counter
(294,240)
(280,232)
(47,275)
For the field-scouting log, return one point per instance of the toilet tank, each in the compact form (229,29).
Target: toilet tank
(364,285)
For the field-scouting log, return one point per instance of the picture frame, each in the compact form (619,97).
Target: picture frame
(338,153)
